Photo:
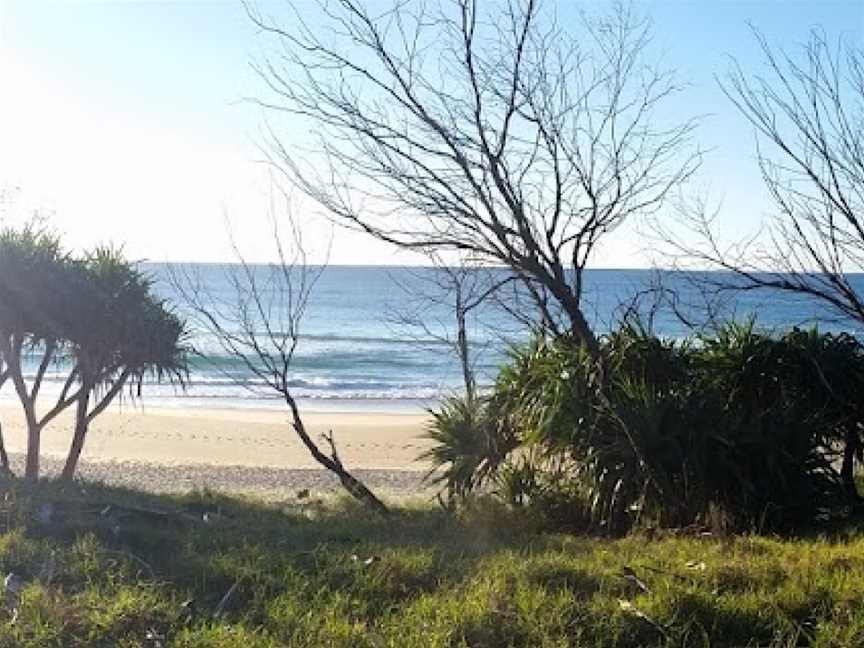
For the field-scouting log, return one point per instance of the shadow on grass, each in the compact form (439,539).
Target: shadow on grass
(199,546)
(105,566)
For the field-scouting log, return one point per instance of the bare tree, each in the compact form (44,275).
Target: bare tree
(808,115)
(458,288)
(501,135)
(258,324)
(807,110)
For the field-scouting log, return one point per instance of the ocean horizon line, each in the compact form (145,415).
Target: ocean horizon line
(379,266)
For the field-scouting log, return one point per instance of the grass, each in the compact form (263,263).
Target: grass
(112,567)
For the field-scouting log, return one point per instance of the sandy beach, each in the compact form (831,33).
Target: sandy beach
(236,450)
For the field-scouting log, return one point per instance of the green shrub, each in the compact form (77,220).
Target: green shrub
(472,441)
(738,430)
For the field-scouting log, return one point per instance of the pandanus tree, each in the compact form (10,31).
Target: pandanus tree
(120,334)
(94,320)
(34,274)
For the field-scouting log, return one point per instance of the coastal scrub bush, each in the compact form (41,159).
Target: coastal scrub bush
(471,442)
(740,429)
(92,319)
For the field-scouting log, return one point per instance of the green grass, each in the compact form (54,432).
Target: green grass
(302,577)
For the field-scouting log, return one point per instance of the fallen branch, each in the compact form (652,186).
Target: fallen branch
(220,607)
(132,557)
(145,511)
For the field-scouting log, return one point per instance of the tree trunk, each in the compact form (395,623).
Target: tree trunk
(847,470)
(79,435)
(4,458)
(11,349)
(354,486)
(464,354)
(579,327)
(34,433)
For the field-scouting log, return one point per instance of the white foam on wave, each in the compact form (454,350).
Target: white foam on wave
(207,390)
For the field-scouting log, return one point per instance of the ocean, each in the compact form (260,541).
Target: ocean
(356,353)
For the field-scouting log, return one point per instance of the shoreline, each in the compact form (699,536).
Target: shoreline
(314,406)
(190,402)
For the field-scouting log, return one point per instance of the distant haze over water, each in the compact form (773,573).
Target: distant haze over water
(353,357)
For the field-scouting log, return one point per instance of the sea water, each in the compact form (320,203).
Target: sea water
(356,352)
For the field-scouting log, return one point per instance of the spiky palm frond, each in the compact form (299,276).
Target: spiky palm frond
(471,442)
(121,327)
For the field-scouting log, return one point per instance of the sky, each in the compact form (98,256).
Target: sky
(125,122)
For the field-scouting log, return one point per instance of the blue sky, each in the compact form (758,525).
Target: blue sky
(125,120)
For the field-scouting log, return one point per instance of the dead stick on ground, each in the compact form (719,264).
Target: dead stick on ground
(139,510)
(353,485)
(220,608)
(133,558)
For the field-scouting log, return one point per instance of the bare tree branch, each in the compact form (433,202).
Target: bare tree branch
(258,324)
(498,135)
(807,110)
(458,289)
(808,115)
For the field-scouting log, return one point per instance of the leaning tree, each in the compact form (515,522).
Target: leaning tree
(487,129)
(257,322)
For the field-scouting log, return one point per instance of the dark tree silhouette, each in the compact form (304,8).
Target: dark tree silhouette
(122,334)
(34,310)
(501,135)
